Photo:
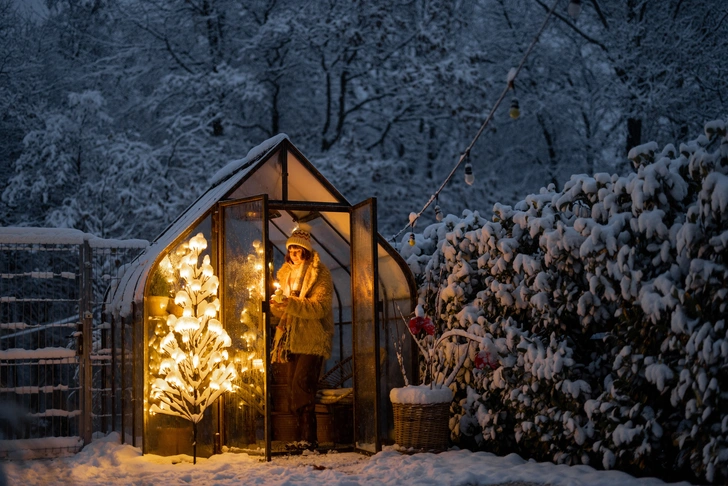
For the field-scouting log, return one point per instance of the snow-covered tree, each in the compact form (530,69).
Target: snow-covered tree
(374,93)
(194,369)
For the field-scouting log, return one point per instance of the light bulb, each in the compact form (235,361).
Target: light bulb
(574,8)
(438,212)
(469,177)
(514,111)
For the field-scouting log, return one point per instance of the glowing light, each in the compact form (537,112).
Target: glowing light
(469,177)
(215,326)
(278,294)
(514,111)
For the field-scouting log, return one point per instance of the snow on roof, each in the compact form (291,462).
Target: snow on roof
(253,154)
(21,235)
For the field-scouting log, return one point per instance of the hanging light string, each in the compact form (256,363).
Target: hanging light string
(510,85)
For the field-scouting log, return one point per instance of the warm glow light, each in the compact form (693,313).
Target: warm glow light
(192,364)
(278,293)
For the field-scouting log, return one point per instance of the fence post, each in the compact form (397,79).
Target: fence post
(86,313)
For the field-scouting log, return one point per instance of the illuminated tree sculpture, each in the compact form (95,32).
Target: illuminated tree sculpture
(194,369)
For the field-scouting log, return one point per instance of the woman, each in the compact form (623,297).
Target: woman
(306,328)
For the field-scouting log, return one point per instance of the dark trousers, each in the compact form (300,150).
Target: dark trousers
(304,382)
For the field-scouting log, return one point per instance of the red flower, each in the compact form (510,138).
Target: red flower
(419,324)
(428,326)
(415,325)
(483,359)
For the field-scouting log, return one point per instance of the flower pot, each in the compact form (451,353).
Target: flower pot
(157,305)
(173,308)
(421,418)
(174,440)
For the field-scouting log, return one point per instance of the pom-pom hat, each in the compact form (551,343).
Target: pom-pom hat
(301,237)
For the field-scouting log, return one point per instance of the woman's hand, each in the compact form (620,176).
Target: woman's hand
(278,308)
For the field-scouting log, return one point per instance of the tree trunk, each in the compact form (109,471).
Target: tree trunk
(634,132)
(194,442)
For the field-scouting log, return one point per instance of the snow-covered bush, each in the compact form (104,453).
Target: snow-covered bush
(604,305)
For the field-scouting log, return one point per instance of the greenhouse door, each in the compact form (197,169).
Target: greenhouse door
(365,326)
(243,236)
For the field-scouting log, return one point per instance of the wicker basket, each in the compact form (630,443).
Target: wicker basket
(422,426)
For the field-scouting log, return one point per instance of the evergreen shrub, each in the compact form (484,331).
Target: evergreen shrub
(605,304)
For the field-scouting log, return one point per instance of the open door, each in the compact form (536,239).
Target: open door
(244,417)
(365,326)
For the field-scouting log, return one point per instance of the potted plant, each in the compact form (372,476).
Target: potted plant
(422,412)
(158,298)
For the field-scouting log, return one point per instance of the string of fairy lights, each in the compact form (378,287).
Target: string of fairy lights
(573,9)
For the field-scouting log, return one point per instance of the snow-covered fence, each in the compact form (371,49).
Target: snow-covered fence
(57,368)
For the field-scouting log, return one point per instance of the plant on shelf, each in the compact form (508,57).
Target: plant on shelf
(160,288)
(160,284)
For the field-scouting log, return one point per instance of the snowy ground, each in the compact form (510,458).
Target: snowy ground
(107,462)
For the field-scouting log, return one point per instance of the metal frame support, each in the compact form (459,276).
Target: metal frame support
(86,316)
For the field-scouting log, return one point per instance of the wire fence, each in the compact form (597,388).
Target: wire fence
(57,367)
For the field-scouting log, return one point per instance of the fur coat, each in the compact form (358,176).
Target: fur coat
(309,318)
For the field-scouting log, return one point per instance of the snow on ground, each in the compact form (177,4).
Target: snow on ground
(107,462)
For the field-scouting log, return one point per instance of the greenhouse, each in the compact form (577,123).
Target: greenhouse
(225,250)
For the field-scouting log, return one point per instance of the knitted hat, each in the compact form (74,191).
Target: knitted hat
(301,237)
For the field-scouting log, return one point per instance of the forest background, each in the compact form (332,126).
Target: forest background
(114,114)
